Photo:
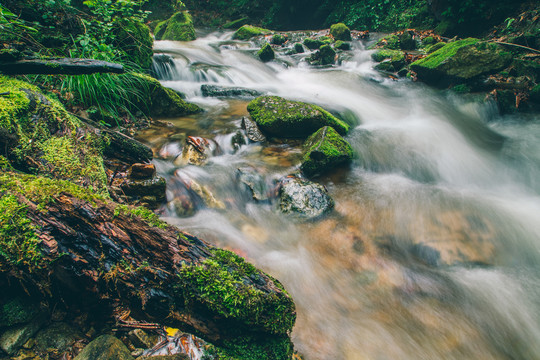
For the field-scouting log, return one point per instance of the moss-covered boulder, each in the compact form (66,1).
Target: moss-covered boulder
(327,55)
(178,27)
(280,117)
(342,45)
(266,53)
(279,39)
(406,41)
(134,38)
(246,32)
(461,61)
(340,31)
(161,101)
(313,44)
(390,60)
(298,48)
(389,42)
(435,47)
(324,150)
(236,24)
(41,137)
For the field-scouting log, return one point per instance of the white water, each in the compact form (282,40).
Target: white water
(429,173)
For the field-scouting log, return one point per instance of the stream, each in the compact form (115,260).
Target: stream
(433,248)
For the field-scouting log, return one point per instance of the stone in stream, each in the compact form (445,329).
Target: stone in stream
(105,347)
(196,151)
(189,196)
(228,91)
(252,130)
(253,182)
(266,53)
(150,190)
(279,117)
(178,27)
(324,56)
(303,198)
(325,150)
(140,171)
(340,31)
(461,61)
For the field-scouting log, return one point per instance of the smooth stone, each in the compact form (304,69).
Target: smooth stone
(105,347)
(303,198)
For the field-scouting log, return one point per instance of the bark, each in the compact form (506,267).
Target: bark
(65,66)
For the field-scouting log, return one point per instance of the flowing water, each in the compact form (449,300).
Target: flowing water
(433,249)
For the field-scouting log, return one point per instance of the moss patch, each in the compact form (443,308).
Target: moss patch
(276,348)
(325,150)
(178,28)
(226,284)
(447,51)
(280,117)
(266,53)
(313,44)
(246,32)
(47,139)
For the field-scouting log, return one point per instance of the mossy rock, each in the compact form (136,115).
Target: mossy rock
(324,150)
(428,41)
(390,60)
(298,48)
(406,41)
(105,347)
(461,61)
(327,55)
(236,24)
(134,38)
(279,39)
(342,45)
(284,118)
(266,53)
(178,28)
(389,42)
(435,47)
(45,139)
(16,310)
(313,44)
(246,32)
(162,101)
(340,31)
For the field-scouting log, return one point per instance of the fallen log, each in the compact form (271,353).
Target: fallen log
(53,66)
(88,250)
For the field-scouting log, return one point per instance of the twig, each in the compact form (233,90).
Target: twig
(521,46)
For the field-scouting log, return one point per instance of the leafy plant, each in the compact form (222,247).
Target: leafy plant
(10,23)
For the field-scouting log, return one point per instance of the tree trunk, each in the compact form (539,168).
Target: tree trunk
(65,66)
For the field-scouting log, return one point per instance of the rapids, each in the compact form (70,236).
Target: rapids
(433,250)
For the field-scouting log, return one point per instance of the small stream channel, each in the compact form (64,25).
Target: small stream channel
(433,249)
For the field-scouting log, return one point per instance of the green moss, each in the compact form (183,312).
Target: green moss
(435,47)
(448,50)
(19,244)
(298,48)
(383,54)
(142,213)
(135,40)
(178,28)
(275,348)
(223,284)
(428,41)
(279,39)
(313,44)
(340,31)
(389,42)
(266,53)
(17,311)
(4,164)
(324,150)
(293,119)
(235,24)
(246,32)
(327,55)
(49,139)
(461,89)
(341,45)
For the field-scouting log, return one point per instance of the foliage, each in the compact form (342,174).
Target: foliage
(10,23)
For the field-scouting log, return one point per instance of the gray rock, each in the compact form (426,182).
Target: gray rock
(252,130)
(305,199)
(253,182)
(13,338)
(105,347)
(57,336)
(228,91)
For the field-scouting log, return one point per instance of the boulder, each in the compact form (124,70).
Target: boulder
(313,44)
(228,91)
(461,61)
(14,337)
(279,39)
(298,48)
(252,130)
(17,310)
(342,45)
(325,56)
(151,191)
(280,117)
(105,347)
(340,31)
(266,53)
(303,199)
(246,32)
(59,336)
(178,27)
(389,60)
(325,150)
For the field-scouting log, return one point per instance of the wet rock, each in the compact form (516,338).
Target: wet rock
(13,338)
(303,198)
(340,31)
(140,171)
(252,130)
(58,336)
(313,44)
(253,182)
(105,347)
(325,150)
(189,196)
(196,151)
(154,187)
(266,53)
(461,61)
(280,117)
(238,140)
(228,91)
(406,41)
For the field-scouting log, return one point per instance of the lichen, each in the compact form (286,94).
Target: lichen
(246,32)
(293,119)
(227,285)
